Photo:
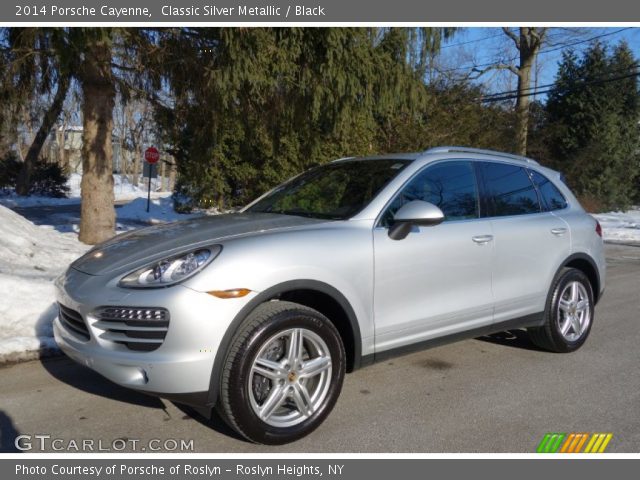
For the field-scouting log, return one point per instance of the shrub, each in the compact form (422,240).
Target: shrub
(47,179)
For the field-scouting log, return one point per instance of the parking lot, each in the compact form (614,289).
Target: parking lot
(497,394)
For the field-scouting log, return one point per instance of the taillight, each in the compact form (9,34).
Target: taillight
(598,229)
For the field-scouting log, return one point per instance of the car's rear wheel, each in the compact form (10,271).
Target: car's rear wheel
(568,314)
(283,373)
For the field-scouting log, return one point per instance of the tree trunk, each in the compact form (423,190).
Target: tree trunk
(97,217)
(136,165)
(63,161)
(529,44)
(172,175)
(23,183)
(522,104)
(163,170)
(136,168)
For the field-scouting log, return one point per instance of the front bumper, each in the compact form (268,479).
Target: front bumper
(180,368)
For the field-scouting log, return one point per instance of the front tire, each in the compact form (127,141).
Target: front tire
(283,373)
(568,313)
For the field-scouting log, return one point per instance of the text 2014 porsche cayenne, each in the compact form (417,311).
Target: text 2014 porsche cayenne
(260,313)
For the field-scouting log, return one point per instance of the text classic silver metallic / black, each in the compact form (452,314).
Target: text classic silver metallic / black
(260,313)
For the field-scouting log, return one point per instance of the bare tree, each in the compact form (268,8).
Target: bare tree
(49,119)
(528,41)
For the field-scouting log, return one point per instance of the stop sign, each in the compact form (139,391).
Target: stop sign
(151,155)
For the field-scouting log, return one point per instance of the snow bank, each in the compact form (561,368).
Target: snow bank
(160,211)
(31,257)
(122,190)
(620,227)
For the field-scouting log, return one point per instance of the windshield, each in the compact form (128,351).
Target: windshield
(334,191)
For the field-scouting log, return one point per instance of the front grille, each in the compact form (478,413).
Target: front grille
(137,328)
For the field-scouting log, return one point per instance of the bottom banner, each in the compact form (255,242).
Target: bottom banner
(344,469)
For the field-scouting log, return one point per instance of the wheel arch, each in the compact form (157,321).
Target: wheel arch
(311,293)
(588,266)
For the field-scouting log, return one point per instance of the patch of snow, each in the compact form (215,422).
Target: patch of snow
(31,257)
(12,200)
(160,211)
(620,227)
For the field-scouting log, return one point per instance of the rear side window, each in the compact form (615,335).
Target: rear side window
(552,199)
(509,190)
(451,186)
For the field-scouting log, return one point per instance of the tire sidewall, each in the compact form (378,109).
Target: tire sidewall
(239,389)
(554,317)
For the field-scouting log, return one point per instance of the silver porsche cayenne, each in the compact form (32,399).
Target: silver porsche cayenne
(260,313)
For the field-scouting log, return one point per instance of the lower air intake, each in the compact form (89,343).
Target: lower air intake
(137,328)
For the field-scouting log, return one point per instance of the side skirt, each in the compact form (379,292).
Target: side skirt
(533,320)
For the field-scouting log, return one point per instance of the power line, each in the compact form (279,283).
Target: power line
(571,87)
(507,92)
(560,46)
(477,40)
(552,48)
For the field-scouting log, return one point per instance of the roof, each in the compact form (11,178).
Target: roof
(445,150)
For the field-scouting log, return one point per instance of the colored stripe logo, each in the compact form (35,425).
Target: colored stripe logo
(574,442)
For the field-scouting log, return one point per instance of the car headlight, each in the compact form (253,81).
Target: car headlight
(172,270)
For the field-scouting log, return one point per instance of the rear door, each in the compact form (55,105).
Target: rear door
(437,280)
(530,242)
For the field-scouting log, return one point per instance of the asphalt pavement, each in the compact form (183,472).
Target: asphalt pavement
(63,217)
(496,394)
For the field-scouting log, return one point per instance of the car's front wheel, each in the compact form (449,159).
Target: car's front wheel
(568,314)
(283,373)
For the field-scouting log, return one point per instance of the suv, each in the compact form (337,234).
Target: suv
(260,313)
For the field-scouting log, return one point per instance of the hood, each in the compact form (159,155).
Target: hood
(135,248)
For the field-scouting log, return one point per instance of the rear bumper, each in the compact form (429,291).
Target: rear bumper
(180,368)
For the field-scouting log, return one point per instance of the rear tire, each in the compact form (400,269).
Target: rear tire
(568,314)
(283,373)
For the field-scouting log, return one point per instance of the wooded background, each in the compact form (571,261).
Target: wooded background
(235,111)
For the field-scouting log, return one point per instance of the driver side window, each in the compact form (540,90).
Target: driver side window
(451,186)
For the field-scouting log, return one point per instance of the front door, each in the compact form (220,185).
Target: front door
(437,280)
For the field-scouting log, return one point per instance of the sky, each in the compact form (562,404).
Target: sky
(483,45)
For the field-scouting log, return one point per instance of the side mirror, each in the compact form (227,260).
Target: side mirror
(417,212)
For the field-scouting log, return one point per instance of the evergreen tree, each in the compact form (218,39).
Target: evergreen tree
(272,102)
(593,114)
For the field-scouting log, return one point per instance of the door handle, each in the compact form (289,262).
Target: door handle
(558,232)
(482,239)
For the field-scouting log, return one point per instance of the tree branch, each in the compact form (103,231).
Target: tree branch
(500,66)
(512,36)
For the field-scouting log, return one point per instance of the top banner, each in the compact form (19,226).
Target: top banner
(318,11)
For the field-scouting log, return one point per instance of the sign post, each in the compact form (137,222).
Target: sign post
(151,156)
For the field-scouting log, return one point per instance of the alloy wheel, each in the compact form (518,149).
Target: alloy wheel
(290,377)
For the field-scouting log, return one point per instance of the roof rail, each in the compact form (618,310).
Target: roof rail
(481,151)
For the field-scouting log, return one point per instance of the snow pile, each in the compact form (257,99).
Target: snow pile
(160,211)
(621,227)
(31,257)
(123,189)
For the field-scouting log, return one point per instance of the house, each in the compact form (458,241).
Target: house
(65,147)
